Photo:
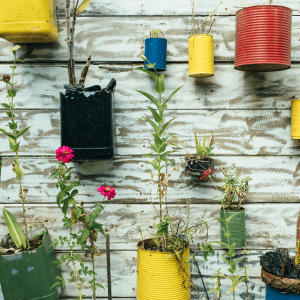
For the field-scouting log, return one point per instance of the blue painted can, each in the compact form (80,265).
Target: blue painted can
(272,294)
(156,52)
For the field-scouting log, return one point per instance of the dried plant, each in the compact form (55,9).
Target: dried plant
(245,268)
(77,9)
(155,33)
(210,17)
(298,241)
(14,144)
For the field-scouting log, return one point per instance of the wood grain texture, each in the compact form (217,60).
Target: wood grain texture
(168,7)
(236,132)
(40,86)
(124,277)
(122,40)
(274,179)
(121,221)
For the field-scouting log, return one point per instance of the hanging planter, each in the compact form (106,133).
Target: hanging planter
(156,50)
(263,38)
(201,55)
(158,275)
(30,21)
(236,226)
(295,119)
(87,123)
(29,274)
(196,166)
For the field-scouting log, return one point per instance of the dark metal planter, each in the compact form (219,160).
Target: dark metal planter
(156,52)
(196,167)
(29,275)
(236,226)
(87,124)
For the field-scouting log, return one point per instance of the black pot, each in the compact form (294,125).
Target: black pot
(195,166)
(87,124)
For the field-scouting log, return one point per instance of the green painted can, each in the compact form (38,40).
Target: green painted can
(29,275)
(236,226)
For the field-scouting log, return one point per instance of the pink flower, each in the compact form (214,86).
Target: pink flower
(107,191)
(207,173)
(64,154)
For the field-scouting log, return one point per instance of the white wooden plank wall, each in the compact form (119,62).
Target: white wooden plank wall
(249,113)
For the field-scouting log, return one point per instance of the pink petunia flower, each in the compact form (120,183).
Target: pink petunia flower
(64,154)
(207,173)
(107,191)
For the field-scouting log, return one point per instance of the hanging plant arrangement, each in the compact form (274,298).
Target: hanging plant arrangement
(263,38)
(201,48)
(156,50)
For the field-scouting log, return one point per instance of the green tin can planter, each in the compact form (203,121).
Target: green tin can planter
(29,275)
(236,226)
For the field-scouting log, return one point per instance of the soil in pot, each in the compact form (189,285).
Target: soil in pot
(195,166)
(280,263)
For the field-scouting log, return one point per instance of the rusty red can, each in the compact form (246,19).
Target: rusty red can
(263,38)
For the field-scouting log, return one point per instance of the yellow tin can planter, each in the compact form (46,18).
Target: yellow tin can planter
(158,277)
(201,55)
(28,21)
(295,120)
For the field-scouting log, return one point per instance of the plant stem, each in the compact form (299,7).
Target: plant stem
(73,262)
(298,241)
(93,259)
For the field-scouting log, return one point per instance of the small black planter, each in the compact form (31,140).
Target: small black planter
(195,166)
(87,124)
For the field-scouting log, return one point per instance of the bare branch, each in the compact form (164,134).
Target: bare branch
(85,71)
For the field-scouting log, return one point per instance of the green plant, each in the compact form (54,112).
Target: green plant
(14,143)
(78,214)
(155,33)
(235,189)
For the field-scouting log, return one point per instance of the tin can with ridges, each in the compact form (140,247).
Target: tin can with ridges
(201,55)
(263,38)
(159,277)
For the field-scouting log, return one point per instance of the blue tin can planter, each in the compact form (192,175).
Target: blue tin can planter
(156,52)
(272,294)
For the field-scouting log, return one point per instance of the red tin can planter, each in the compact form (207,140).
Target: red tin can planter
(263,38)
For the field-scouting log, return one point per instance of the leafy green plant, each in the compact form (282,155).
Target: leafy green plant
(155,33)
(235,189)
(85,237)
(14,143)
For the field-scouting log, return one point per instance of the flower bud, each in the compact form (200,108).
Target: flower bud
(6,78)
(144,57)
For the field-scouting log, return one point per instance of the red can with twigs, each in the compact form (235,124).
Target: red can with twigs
(263,38)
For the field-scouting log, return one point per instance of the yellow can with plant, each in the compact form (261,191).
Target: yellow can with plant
(30,21)
(201,55)
(295,119)
(162,275)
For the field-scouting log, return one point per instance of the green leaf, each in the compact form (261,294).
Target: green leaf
(162,148)
(84,4)
(150,97)
(20,60)
(55,284)
(14,146)
(60,197)
(160,85)
(173,94)
(164,155)
(156,116)
(12,93)
(6,106)
(155,127)
(155,147)
(71,186)
(227,220)
(154,164)
(84,235)
(149,155)
(99,285)
(8,134)
(14,229)
(153,75)
(23,131)
(166,125)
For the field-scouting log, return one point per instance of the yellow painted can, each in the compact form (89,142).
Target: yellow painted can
(28,21)
(201,55)
(158,277)
(295,120)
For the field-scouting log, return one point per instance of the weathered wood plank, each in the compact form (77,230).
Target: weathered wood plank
(122,40)
(124,277)
(238,132)
(168,7)
(274,179)
(40,87)
(267,225)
